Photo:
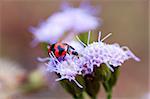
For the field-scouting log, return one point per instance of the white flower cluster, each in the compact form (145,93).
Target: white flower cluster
(72,20)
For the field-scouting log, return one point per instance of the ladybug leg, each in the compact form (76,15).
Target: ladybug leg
(68,53)
(64,57)
(71,47)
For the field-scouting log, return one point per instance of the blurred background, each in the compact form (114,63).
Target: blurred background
(126,19)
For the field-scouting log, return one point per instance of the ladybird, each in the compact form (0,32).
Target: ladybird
(61,49)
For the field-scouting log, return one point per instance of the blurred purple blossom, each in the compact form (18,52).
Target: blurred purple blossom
(69,20)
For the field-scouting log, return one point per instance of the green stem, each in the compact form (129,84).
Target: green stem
(94,97)
(109,94)
(79,97)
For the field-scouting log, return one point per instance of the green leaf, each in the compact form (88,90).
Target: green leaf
(109,84)
(73,88)
(44,46)
(114,76)
(103,72)
(83,37)
(93,80)
(92,85)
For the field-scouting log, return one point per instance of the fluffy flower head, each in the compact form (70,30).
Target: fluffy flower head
(70,20)
(67,69)
(90,56)
(96,53)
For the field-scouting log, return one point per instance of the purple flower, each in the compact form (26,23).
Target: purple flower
(96,53)
(67,68)
(69,20)
(90,56)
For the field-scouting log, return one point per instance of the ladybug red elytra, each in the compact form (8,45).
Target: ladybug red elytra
(61,49)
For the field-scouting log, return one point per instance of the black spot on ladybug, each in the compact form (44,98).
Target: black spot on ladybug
(61,50)
(52,48)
